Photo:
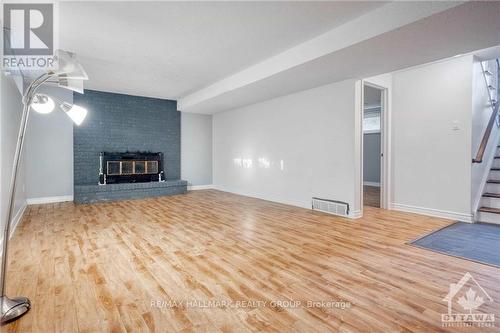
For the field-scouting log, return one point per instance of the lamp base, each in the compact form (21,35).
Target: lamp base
(13,308)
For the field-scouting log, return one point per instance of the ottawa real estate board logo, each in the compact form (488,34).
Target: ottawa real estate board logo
(28,36)
(468,297)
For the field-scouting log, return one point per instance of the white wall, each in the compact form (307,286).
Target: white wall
(481,113)
(49,152)
(10,117)
(431,161)
(196,149)
(301,146)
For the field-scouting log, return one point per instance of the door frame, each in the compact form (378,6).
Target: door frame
(385,144)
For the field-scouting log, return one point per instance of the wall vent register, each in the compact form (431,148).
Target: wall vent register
(331,206)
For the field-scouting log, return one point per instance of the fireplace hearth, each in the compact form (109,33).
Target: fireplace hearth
(130,167)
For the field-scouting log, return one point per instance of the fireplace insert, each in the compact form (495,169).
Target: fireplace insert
(130,167)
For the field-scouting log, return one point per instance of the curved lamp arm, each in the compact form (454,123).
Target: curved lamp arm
(12,308)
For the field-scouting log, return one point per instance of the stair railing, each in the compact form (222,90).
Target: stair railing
(491,122)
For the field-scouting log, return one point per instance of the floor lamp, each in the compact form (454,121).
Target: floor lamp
(69,75)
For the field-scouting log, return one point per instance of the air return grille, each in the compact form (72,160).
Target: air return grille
(331,206)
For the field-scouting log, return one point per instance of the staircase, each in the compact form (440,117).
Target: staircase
(489,211)
(489,206)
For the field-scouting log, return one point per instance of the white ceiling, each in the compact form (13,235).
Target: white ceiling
(462,29)
(216,56)
(170,49)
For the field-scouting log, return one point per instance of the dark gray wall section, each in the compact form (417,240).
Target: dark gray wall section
(117,122)
(371,157)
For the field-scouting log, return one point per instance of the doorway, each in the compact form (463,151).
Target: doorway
(372,126)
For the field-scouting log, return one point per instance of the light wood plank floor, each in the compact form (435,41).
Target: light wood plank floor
(103,267)
(371,196)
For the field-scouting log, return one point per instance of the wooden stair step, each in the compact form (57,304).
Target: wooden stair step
(492,195)
(489,210)
(495,169)
(493,181)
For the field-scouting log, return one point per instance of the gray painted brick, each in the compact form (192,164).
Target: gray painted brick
(112,192)
(118,122)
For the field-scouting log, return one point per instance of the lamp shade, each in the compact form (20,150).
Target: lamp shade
(68,66)
(75,112)
(71,84)
(43,104)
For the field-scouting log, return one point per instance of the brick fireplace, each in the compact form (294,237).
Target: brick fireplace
(127,148)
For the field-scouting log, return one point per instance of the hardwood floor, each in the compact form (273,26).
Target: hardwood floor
(113,267)
(371,196)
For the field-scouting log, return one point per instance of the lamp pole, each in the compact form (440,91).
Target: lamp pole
(13,308)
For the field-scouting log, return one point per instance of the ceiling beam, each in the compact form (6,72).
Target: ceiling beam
(379,21)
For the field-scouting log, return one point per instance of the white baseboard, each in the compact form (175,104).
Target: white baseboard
(355,214)
(371,184)
(199,187)
(17,218)
(46,200)
(281,200)
(433,212)
(15,222)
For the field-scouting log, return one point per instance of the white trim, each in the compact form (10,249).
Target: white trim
(355,214)
(17,218)
(433,212)
(376,184)
(199,187)
(385,123)
(358,147)
(46,200)
(291,202)
(385,141)
(15,222)
(281,200)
